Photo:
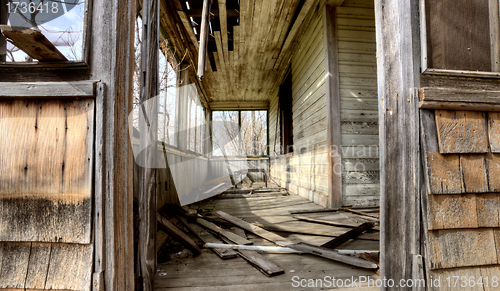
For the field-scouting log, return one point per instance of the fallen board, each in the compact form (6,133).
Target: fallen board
(255,259)
(229,235)
(324,221)
(272,237)
(353,233)
(206,237)
(177,234)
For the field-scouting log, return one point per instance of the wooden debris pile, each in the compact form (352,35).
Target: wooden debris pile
(226,236)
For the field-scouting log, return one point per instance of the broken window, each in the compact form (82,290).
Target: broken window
(462,35)
(42,30)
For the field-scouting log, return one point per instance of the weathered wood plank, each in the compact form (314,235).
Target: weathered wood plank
(467,96)
(252,228)
(57,181)
(48,89)
(161,239)
(208,238)
(229,235)
(461,131)
(487,210)
(325,221)
(177,234)
(444,174)
(474,173)
(33,43)
(353,233)
(452,248)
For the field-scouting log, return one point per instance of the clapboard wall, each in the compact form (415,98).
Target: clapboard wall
(358,102)
(305,172)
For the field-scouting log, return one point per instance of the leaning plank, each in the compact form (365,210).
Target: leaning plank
(264,249)
(252,228)
(177,234)
(48,89)
(33,43)
(255,259)
(161,239)
(206,237)
(325,221)
(361,212)
(333,255)
(353,233)
(231,236)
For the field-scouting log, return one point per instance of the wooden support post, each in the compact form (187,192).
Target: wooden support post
(202,50)
(3,20)
(494,35)
(398,71)
(112,47)
(334,135)
(148,129)
(182,117)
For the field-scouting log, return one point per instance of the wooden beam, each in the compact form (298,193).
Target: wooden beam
(333,255)
(324,221)
(202,51)
(33,43)
(112,26)
(213,12)
(149,89)
(272,237)
(47,89)
(207,237)
(229,235)
(333,131)
(238,105)
(351,234)
(3,21)
(177,234)
(398,66)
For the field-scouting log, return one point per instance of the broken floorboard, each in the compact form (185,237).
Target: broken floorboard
(209,272)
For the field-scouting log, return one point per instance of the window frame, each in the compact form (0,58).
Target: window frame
(425,69)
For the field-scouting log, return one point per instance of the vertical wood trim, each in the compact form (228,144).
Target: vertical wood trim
(208,145)
(3,20)
(398,53)
(148,140)
(333,131)
(112,47)
(99,240)
(423,36)
(494,35)
(183,107)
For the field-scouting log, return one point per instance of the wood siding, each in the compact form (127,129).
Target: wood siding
(305,172)
(358,103)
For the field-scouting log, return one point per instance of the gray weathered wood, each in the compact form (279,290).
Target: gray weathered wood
(351,234)
(33,43)
(325,221)
(398,65)
(333,255)
(272,237)
(38,265)
(208,238)
(47,89)
(149,90)
(177,234)
(333,132)
(229,235)
(451,105)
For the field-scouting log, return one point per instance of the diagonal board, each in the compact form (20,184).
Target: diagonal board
(207,237)
(353,233)
(231,236)
(272,237)
(255,259)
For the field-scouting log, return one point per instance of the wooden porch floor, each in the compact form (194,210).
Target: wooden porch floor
(209,272)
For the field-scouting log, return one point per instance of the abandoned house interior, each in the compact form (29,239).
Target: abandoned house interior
(249,144)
